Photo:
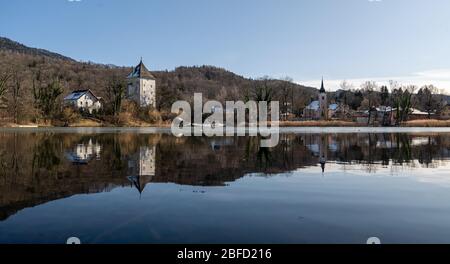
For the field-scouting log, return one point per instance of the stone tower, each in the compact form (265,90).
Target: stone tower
(323,103)
(142,86)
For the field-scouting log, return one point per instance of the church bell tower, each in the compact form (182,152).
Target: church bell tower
(323,103)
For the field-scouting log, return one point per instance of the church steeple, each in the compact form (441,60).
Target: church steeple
(322,88)
(323,103)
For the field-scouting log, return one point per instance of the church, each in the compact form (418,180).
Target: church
(142,86)
(319,109)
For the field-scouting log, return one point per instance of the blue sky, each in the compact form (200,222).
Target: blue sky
(354,40)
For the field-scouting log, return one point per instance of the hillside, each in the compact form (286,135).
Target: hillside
(180,83)
(13,46)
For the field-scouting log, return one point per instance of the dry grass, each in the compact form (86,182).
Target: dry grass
(86,123)
(427,123)
(334,123)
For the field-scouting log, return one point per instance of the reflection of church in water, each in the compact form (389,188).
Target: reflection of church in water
(142,167)
(319,146)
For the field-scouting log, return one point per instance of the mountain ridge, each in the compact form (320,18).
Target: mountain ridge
(215,83)
(7,44)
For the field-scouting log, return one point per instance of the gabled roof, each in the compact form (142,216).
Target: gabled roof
(75,95)
(140,71)
(315,105)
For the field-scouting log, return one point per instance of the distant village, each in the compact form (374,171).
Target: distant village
(36,90)
(141,89)
(381,115)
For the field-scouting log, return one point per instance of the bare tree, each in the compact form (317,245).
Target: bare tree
(345,96)
(370,89)
(46,97)
(394,85)
(116,91)
(286,94)
(263,90)
(16,98)
(403,102)
(346,86)
(4,78)
(428,99)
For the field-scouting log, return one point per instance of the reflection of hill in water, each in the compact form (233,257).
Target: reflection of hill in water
(42,167)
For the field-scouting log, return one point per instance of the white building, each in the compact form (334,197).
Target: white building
(142,86)
(84,100)
(318,109)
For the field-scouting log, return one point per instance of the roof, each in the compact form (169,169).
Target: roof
(314,105)
(417,112)
(140,71)
(322,88)
(333,107)
(75,95)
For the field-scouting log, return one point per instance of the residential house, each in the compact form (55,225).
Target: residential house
(84,100)
(84,152)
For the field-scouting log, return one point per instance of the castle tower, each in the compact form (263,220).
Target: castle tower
(323,103)
(142,86)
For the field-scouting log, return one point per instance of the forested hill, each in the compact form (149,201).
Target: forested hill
(13,46)
(180,83)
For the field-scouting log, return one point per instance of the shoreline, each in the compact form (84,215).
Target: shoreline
(285,125)
(282,130)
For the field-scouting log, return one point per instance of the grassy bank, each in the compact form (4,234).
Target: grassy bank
(336,123)
(88,122)
(427,123)
(139,123)
(319,124)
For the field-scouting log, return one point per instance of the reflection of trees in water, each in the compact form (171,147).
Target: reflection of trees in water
(116,160)
(373,151)
(264,158)
(3,165)
(45,154)
(402,151)
(42,174)
(253,149)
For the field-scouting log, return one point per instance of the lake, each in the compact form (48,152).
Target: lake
(146,186)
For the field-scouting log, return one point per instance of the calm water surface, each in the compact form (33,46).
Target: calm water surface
(131,187)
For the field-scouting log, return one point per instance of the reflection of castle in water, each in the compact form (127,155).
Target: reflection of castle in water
(82,153)
(124,159)
(142,167)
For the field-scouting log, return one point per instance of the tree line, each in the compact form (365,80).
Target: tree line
(427,98)
(32,89)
